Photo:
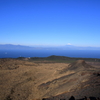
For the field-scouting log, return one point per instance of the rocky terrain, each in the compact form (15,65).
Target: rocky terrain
(25,79)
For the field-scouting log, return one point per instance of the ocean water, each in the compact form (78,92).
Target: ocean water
(46,53)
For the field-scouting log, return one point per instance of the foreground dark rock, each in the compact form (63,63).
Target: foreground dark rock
(73,98)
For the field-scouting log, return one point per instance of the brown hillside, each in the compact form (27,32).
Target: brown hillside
(24,80)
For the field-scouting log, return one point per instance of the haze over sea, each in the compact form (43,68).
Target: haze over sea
(46,53)
(57,27)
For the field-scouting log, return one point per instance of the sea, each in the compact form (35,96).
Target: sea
(47,53)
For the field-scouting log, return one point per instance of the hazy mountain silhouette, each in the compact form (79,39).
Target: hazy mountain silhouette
(15,47)
(66,47)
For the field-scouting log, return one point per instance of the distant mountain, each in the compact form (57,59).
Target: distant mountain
(66,47)
(71,47)
(10,47)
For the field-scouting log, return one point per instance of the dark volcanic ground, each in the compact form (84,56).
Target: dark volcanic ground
(88,89)
(25,80)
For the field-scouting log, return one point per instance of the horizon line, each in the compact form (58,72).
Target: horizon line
(47,45)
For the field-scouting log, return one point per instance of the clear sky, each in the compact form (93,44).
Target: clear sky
(50,22)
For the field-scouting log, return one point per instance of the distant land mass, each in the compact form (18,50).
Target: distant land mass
(66,47)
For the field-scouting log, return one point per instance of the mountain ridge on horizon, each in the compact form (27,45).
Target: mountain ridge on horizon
(66,47)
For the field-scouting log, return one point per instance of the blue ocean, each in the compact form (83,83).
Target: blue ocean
(46,53)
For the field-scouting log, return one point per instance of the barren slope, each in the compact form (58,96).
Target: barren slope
(23,80)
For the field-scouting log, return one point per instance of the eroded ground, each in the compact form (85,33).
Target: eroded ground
(24,80)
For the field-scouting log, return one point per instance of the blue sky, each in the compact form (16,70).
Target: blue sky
(50,22)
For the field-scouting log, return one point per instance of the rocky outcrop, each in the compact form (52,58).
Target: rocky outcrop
(73,98)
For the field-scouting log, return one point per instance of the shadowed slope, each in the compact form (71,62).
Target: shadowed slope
(85,81)
(24,80)
(72,76)
(79,65)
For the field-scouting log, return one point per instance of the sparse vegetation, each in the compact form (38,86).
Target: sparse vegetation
(58,59)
